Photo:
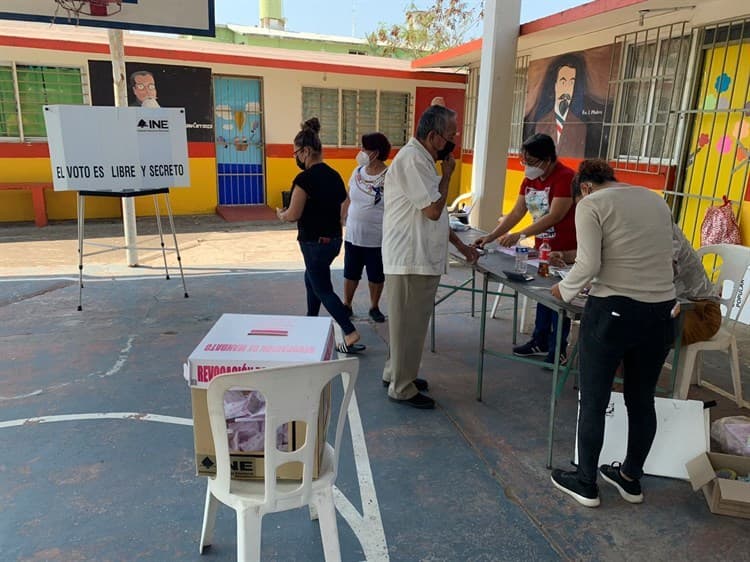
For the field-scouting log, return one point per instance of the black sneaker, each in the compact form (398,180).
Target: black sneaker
(629,490)
(421,384)
(376,315)
(568,482)
(550,360)
(529,349)
(419,401)
(349,310)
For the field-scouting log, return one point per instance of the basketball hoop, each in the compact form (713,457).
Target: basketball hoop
(96,8)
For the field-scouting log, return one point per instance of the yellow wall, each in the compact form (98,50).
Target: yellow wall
(712,172)
(513,180)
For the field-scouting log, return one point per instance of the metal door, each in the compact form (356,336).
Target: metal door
(239,140)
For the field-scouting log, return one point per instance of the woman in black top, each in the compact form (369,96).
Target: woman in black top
(318,193)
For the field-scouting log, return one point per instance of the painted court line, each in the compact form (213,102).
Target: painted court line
(367,526)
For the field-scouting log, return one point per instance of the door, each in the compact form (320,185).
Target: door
(239,140)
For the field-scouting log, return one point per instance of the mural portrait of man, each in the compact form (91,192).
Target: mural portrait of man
(566,100)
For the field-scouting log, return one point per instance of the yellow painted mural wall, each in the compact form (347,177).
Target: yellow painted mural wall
(719,160)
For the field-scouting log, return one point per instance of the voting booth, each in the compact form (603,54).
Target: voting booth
(119,152)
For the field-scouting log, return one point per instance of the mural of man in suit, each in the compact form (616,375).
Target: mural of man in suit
(559,106)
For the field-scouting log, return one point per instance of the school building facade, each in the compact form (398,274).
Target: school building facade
(243,105)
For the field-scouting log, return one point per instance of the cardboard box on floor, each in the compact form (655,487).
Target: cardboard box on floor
(243,342)
(724,496)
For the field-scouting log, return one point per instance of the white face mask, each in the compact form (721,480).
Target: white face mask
(363,159)
(533,172)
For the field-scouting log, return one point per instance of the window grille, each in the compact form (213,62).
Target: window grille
(470,110)
(642,126)
(519,102)
(25,89)
(395,122)
(358,115)
(323,103)
(345,115)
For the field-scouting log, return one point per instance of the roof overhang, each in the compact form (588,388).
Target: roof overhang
(599,15)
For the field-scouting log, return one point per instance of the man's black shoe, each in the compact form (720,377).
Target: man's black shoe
(419,401)
(421,384)
(376,315)
(568,482)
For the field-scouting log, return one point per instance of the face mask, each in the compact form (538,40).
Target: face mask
(363,159)
(300,163)
(446,150)
(533,172)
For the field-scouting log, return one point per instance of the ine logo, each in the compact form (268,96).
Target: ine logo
(153,125)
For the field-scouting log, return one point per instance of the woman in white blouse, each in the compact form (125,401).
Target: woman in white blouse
(364,223)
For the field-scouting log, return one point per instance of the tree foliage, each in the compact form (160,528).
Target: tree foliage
(445,24)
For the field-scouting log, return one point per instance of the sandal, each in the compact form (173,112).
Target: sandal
(350,349)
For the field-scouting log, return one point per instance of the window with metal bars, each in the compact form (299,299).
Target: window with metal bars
(25,89)
(520,80)
(648,86)
(519,101)
(345,115)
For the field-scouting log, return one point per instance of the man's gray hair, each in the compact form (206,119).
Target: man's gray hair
(435,118)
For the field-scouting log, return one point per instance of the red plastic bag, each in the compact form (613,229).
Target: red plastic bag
(720,226)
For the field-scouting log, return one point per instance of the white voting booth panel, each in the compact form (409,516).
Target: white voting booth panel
(682,433)
(116,149)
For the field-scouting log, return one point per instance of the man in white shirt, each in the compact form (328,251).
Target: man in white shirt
(415,248)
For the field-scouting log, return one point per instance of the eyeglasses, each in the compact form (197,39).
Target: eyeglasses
(531,162)
(446,140)
(297,151)
(145,86)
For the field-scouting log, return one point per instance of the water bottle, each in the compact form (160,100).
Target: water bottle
(522,259)
(544,251)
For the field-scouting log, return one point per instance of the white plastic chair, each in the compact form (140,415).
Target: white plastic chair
(735,261)
(292,393)
(523,326)
(454,206)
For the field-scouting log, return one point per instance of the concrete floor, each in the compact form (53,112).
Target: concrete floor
(464,482)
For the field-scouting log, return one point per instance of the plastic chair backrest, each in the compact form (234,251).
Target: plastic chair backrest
(292,393)
(731,270)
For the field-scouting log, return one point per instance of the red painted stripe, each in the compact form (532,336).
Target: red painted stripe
(287,151)
(243,60)
(436,58)
(41,150)
(575,14)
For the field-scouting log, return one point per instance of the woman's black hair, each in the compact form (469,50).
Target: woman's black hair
(379,142)
(308,135)
(540,146)
(596,171)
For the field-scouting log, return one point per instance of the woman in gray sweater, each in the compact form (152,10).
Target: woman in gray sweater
(624,237)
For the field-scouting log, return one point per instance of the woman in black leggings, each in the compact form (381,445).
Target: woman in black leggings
(624,237)
(318,195)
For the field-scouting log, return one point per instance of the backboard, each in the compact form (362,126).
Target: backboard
(188,17)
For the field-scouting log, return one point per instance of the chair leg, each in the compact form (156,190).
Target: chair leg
(734,363)
(209,520)
(500,288)
(684,374)
(329,532)
(697,377)
(313,512)
(249,522)
(524,329)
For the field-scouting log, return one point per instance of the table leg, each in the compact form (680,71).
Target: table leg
(515,316)
(553,393)
(473,288)
(482,332)
(677,349)
(81,210)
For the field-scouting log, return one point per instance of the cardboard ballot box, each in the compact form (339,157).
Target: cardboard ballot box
(242,342)
(724,496)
